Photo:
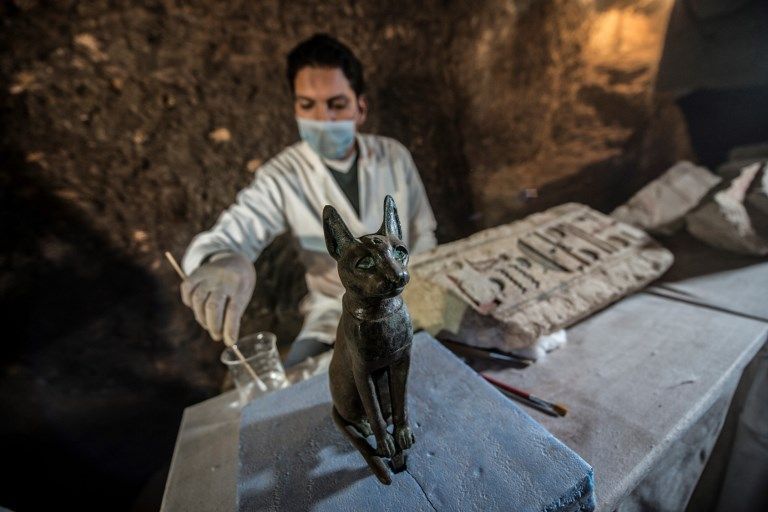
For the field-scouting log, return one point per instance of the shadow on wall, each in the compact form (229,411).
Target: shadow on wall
(437,141)
(91,386)
(604,183)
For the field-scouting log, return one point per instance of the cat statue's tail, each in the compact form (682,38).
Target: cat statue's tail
(377,465)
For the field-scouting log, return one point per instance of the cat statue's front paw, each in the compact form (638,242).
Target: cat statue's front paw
(404,437)
(385,445)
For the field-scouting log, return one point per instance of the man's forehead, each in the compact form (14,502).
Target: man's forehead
(322,83)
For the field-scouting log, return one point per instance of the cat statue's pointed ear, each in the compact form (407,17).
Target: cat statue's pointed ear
(391,224)
(337,235)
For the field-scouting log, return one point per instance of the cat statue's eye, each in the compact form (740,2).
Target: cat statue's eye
(365,263)
(400,254)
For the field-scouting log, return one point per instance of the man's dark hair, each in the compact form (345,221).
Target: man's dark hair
(323,51)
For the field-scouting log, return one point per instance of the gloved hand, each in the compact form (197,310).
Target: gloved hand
(218,292)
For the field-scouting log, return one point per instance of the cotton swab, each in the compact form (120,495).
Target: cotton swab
(256,379)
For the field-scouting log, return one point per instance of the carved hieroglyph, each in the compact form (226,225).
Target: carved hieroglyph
(507,286)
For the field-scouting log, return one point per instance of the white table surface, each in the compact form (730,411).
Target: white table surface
(637,378)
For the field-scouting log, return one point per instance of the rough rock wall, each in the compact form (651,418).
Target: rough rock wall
(128,126)
(574,116)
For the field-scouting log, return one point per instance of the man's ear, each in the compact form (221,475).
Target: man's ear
(391,224)
(337,235)
(362,110)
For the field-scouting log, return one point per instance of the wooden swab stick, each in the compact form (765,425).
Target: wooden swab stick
(259,383)
(175,265)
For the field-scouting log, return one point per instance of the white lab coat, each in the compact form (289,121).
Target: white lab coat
(291,190)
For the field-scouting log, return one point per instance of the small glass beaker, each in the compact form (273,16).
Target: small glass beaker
(260,352)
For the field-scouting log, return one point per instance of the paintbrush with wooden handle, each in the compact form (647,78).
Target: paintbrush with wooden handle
(545,406)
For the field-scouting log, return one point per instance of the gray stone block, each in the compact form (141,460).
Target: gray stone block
(475,450)
(507,286)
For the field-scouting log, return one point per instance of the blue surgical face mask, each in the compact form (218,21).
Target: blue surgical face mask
(329,139)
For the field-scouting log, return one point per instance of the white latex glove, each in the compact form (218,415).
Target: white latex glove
(218,292)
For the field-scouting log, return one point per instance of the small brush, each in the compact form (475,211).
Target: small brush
(475,352)
(545,406)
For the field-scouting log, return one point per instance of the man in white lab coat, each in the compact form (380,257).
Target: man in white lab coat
(332,164)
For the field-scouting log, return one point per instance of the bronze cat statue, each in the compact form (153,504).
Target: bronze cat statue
(369,369)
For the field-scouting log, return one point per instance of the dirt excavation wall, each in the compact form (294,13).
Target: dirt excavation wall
(128,126)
